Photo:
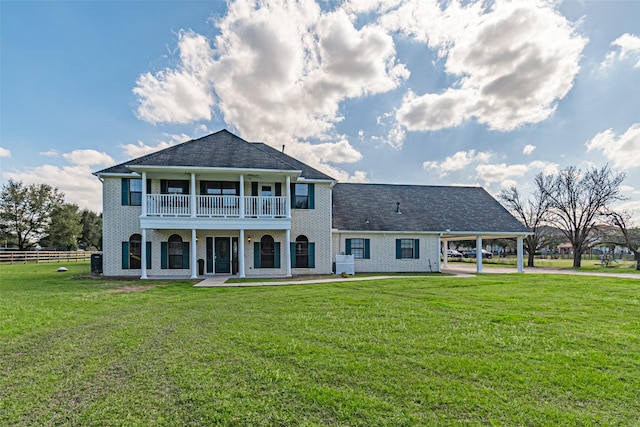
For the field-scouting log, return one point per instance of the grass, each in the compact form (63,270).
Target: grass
(496,349)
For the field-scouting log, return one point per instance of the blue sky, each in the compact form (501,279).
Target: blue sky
(394,91)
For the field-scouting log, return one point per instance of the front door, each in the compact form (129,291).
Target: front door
(223,255)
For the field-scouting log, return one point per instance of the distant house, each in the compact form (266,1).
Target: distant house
(222,205)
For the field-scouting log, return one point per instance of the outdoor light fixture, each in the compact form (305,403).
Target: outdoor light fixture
(249,239)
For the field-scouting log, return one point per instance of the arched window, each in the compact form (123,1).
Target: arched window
(175,251)
(135,251)
(266,252)
(302,252)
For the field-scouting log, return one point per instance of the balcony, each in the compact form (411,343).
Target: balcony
(179,205)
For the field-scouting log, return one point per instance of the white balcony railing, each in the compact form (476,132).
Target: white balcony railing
(265,206)
(168,204)
(216,206)
(220,206)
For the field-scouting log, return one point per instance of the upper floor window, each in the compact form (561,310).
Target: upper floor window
(219,188)
(302,196)
(174,186)
(132,191)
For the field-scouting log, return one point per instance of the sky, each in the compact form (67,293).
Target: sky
(486,93)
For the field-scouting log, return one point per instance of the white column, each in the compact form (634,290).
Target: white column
(192,197)
(143,247)
(194,255)
(287,191)
(479,254)
(443,245)
(520,254)
(287,251)
(144,194)
(241,209)
(241,244)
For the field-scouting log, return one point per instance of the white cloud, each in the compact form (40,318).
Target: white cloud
(278,70)
(140,149)
(513,62)
(504,173)
(5,152)
(627,45)
(458,161)
(88,158)
(528,149)
(75,181)
(182,95)
(50,153)
(622,151)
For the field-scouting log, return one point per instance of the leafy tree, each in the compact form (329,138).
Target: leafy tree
(576,200)
(65,227)
(25,211)
(532,213)
(626,236)
(91,236)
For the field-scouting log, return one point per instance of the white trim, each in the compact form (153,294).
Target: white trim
(168,223)
(143,254)
(479,254)
(194,257)
(520,252)
(204,169)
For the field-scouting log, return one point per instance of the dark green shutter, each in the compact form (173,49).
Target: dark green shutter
(312,203)
(293,254)
(125,191)
(347,250)
(185,255)
(312,255)
(203,187)
(256,254)
(125,255)
(148,186)
(416,248)
(164,255)
(164,186)
(292,190)
(367,249)
(209,254)
(278,189)
(276,255)
(254,189)
(398,248)
(148,254)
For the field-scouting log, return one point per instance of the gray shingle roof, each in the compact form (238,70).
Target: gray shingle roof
(423,208)
(220,150)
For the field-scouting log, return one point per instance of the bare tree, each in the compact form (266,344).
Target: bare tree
(627,236)
(576,200)
(532,213)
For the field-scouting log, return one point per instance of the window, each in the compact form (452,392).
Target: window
(174,186)
(132,253)
(302,196)
(359,248)
(135,250)
(407,248)
(302,252)
(175,252)
(266,253)
(132,191)
(219,188)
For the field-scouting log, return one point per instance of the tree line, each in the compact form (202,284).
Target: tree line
(579,205)
(37,215)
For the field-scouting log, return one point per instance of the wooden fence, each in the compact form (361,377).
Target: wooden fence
(23,257)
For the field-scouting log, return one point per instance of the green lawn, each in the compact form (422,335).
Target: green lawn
(496,349)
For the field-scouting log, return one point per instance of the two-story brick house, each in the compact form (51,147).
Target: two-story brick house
(222,205)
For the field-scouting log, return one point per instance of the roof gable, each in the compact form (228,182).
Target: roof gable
(374,207)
